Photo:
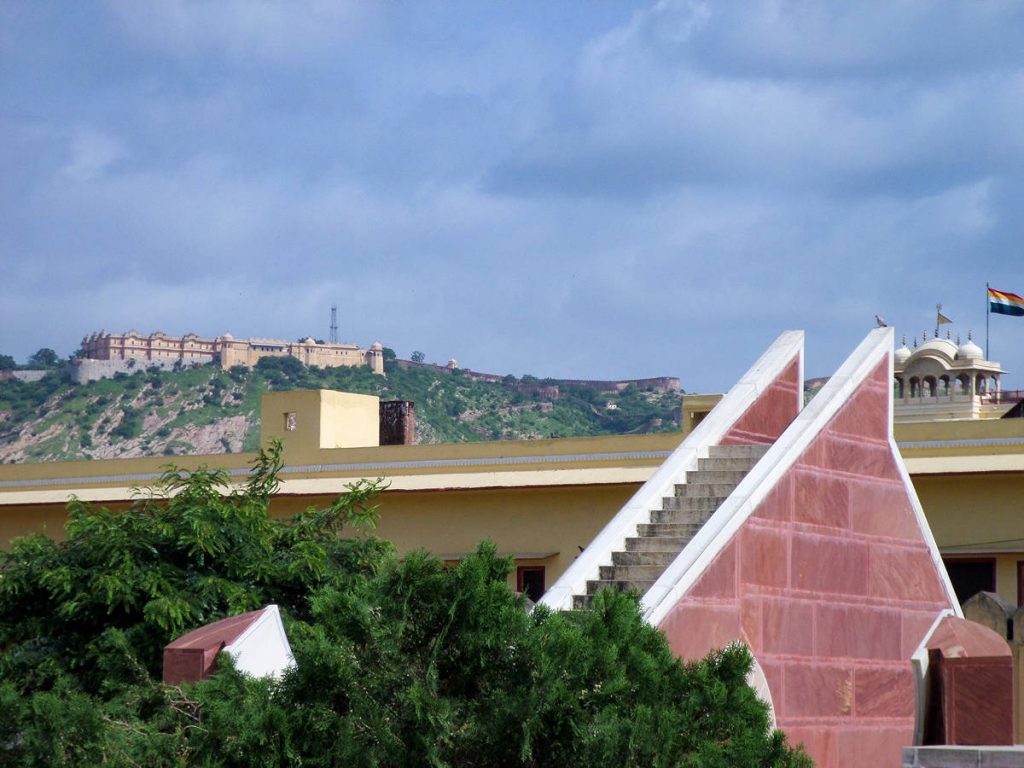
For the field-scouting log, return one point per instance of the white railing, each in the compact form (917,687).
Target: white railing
(710,431)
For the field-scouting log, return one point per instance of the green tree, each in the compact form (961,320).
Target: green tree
(7,363)
(417,356)
(399,662)
(44,358)
(191,551)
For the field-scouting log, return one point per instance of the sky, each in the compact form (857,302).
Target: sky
(570,189)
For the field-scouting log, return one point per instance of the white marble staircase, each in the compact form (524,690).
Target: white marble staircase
(660,540)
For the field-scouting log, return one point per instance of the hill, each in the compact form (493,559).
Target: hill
(207,410)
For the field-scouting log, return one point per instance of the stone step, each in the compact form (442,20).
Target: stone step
(696,504)
(685,516)
(718,463)
(656,543)
(737,451)
(660,559)
(659,530)
(719,476)
(672,527)
(630,573)
(693,490)
(594,586)
(581,602)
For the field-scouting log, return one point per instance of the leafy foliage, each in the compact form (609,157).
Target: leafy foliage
(44,358)
(399,663)
(186,553)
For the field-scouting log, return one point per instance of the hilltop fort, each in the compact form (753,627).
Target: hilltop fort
(104,354)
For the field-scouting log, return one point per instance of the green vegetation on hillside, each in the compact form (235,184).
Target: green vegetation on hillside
(207,410)
(397,662)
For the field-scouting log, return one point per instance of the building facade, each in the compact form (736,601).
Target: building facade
(121,352)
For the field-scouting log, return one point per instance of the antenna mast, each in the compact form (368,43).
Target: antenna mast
(334,323)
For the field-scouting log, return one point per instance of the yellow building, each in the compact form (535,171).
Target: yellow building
(542,501)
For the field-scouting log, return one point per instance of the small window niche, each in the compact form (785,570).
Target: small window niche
(291,421)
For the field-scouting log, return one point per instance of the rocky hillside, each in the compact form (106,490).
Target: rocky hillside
(206,410)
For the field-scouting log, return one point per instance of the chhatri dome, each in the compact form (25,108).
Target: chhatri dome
(969,350)
(902,354)
(940,379)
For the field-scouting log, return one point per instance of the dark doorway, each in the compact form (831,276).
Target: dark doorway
(530,580)
(971,576)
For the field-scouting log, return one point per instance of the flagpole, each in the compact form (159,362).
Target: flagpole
(988,311)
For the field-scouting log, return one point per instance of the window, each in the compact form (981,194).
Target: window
(972,575)
(530,580)
(291,421)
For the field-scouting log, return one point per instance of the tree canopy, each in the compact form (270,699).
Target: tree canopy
(399,662)
(44,358)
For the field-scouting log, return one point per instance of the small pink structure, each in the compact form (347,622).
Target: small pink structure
(256,640)
(967,670)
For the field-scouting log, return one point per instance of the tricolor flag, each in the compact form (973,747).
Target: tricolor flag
(1003,303)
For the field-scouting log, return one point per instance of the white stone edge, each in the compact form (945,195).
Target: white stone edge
(263,650)
(719,530)
(756,679)
(710,431)
(919,665)
(922,522)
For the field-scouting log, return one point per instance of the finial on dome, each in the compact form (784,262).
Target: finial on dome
(969,335)
(904,341)
(949,334)
(958,339)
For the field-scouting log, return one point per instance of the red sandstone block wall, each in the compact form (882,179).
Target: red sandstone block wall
(772,411)
(831,584)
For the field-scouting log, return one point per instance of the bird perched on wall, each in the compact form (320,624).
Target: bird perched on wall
(881,322)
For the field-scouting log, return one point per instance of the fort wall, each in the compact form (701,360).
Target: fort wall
(123,353)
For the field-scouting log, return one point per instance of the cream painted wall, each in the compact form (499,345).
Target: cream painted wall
(542,525)
(980,515)
(538,526)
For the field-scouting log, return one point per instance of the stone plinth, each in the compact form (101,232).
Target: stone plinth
(990,610)
(970,683)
